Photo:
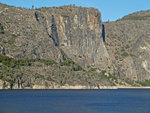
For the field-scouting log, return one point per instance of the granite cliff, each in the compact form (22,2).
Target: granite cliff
(70,46)
(55,33)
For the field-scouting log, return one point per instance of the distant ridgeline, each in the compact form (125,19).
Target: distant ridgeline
(70,46)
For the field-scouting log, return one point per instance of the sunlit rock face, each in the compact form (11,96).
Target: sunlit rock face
(56,33)
(77,31)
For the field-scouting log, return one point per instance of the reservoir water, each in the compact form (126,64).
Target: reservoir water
(75,101)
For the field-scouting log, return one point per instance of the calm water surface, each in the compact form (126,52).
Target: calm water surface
(75,101)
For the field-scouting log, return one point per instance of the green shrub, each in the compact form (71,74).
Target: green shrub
(11,62)
(2,29)
(46,62)
(14,36)
(65,16)
(1,76)
(2,32)
(76,68)
(11,41)
(103,76)
(127,46)
(124,54)
(122,49)
(132,55)
(92,69)
(67,62)
(112,77)
(145,83)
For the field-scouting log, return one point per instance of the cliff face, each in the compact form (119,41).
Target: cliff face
(80,38)
(55,33)
(77,31)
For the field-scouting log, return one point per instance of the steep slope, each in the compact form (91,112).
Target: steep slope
(50,47)
(24,37)
(128,44)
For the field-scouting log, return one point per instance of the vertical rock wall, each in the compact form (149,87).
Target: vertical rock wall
(79,34)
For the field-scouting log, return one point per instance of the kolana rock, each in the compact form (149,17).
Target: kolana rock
(55,33)
(69,46)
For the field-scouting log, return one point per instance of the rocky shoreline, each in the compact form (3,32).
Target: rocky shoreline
(76,87)
(56,86)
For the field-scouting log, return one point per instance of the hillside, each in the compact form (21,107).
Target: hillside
(128,43)
(70,46)
(141,15)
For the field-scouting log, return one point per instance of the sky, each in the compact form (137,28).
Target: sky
(111,10)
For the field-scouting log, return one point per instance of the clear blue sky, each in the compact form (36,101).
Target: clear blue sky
(110,9)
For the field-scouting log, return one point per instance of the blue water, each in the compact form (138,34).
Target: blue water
(75,101)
